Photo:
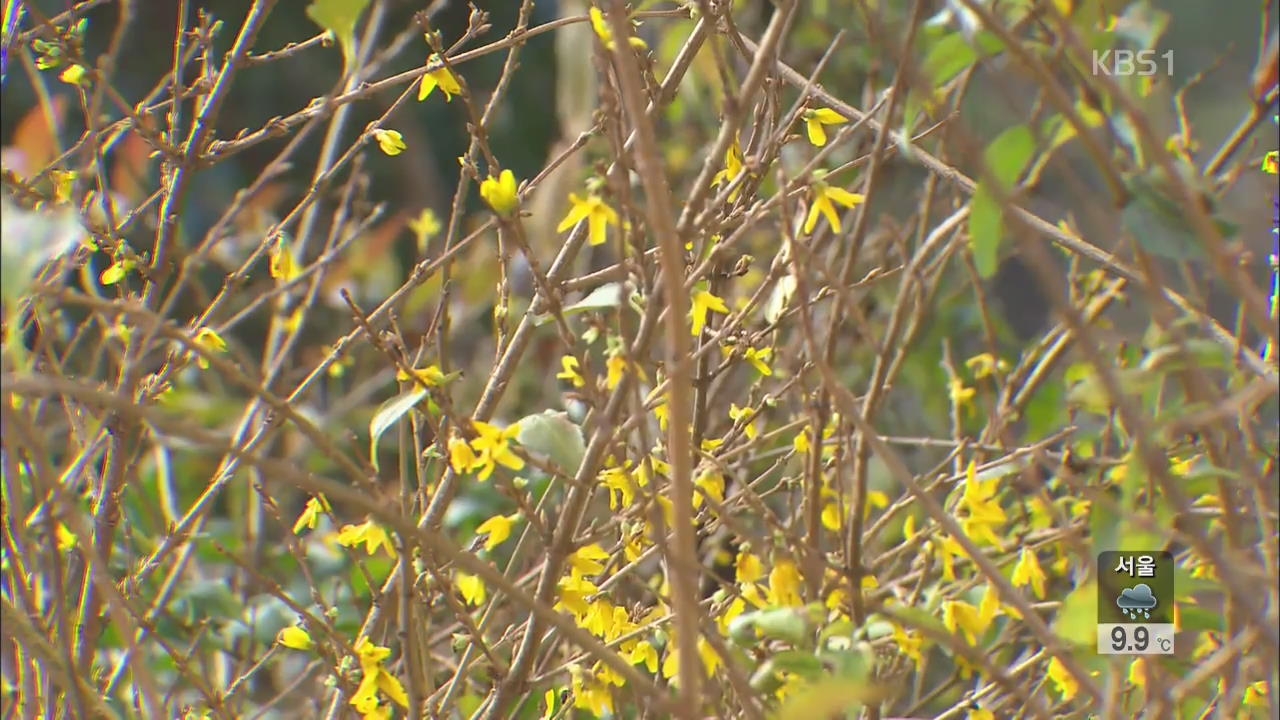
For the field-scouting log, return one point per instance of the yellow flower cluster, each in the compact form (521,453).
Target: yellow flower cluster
(981,513)
(491,447)
(370,533)
(375,678)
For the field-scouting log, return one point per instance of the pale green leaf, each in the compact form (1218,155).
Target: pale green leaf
(1008,155)
(388,414)
(553,435)
(781,296)
(339,17)
(605,297)
(986,226)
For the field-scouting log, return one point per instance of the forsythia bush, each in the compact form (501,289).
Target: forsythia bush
(701,359)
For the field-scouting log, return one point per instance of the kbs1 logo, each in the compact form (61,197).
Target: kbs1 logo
(1131,62)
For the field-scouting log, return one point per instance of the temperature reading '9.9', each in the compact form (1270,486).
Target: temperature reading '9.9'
(1120,641)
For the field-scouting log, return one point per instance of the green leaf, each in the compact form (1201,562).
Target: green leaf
(828,698)
(554,435)
(339,17)
(1161,225)
(1194,617)
(28,240)
(788,624)
(986,226)
(1078,618)
(605,297)
(947,59)
(802,663)
(1007,156)
(780,298)
(1158,224)
(388,414)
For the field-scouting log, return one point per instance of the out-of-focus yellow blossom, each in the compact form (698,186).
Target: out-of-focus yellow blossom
(633,544)
(73,75)
(961,396)
(574,591)
(1029,572)
(758,359)
(660,411)
(710,659)
(983,513)
(492,447)
(117,270)
(501,193)
(702,303)
(825,198)
(63,184)
(985,365)
(792,683)
(1257,694)
(311,514)
(439,76)
(431,376)
(471,587)
(957,614)
(605,33)
(461,456)
(211,341)
(595,211)
(590,692)
(295,638)
(621,487)
(712,483)
(748,568)
(643,652)
(498,528)
(1138,673)
(1063,681)
(283,266)
(616,367)
(784,585)
(376,677)
(370,533)
(391,141)
(814,120)
(571,371)
(425,227)
(66,540)
(910,645)
(746,416)
(338,367)
(801,440)
(586,559)
(733,167)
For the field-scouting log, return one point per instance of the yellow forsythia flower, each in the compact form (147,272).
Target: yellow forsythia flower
(391,141)
(501,193)
(211,341)
(814,121)
(295,638)
(441,77)
(704,302)
(823,198)
(592,209)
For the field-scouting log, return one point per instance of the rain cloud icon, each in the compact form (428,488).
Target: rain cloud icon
(1137,600)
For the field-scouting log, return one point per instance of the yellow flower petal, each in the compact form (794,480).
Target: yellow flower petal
(501,193)
(295,638)
(391,142)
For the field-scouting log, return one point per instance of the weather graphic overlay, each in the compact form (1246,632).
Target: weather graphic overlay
(1135,602)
